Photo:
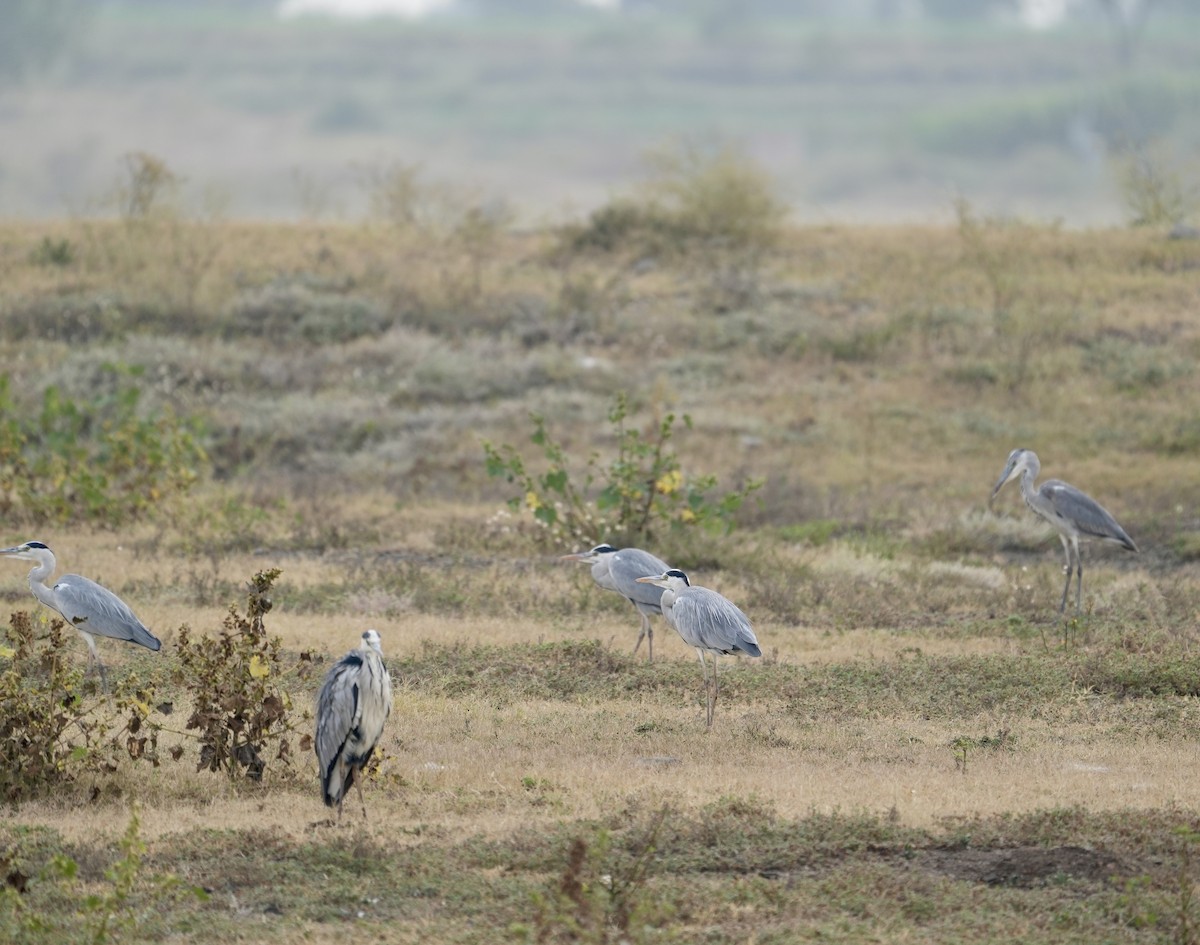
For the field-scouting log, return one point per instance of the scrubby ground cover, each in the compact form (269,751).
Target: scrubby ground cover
(926,749)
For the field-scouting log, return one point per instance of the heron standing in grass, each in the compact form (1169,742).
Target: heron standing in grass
(1072,513)
(354,703)
(706,620)
(619,571)
(90,608)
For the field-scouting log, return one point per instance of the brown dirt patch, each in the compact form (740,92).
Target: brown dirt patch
(1023,867)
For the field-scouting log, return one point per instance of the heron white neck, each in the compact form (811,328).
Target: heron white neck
(1027,489)
(37,581)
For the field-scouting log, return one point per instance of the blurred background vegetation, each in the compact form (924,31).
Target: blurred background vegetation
(877,110)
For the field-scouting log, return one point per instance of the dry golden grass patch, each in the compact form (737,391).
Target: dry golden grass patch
(461,767)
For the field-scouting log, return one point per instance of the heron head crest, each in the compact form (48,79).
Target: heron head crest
(37,544)
(604,549)
(676,573)
(371,639)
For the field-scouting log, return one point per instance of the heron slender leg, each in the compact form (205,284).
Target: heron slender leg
(94,660)
(361,800)
(708,699)
(1079,578)
(647,632)
(717,690)
(1062,606)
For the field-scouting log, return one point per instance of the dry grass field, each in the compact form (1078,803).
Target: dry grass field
(925,752)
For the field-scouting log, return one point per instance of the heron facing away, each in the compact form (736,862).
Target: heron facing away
(354,703)
(1072,513)
(706,620)
(619,571)
(90,608)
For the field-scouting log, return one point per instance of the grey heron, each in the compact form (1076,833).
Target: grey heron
(1072,513)
(354,703)
(90,608)
(706,620)
(619,571)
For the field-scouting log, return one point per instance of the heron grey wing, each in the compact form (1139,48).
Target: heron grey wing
(95,609)
(1085,513)
(338,709)
(715,621)
(630,564)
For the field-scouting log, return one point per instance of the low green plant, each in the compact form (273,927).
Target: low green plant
(112,914)
(600,896)
(21,922)
(1186,930)
(640,490)
(53,252)
(240,710)
(103,462)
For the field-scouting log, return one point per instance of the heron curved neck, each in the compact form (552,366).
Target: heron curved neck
(37,581)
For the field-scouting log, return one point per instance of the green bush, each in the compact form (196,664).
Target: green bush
(101,462)
(641,489)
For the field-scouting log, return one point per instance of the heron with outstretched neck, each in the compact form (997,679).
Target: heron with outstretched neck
(706,620)
(619,570)
(90,608)
(1072,513)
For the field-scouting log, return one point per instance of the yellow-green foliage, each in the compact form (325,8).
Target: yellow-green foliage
(99,461)
(640,492)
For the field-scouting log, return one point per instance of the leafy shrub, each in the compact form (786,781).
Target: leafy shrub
(239,710)
(100,462)
(48,737)
(640,489)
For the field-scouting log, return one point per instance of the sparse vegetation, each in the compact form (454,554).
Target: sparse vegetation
(100,461)
(881,772)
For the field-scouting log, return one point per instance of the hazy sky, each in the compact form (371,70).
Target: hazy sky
(854,119)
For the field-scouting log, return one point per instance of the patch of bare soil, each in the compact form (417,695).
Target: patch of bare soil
(1024,867)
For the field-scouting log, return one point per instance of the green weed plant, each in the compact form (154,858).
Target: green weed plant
(103,462)
(640,491)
